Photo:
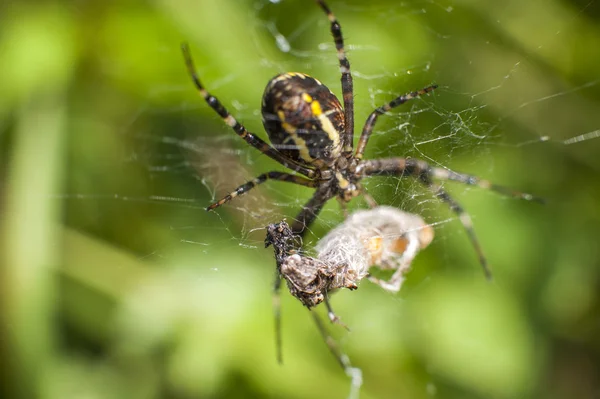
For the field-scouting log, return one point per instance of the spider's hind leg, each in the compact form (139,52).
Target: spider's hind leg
(237,127)
(466,221)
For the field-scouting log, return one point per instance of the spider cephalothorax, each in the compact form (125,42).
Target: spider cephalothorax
(313,135)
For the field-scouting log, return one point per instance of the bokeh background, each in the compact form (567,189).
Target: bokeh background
(115,283)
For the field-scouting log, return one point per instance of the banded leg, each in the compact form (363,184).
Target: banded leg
(347,86)
(354,373)
(425,173)
(370,123)
(244,188)
(445,174)
(237,127)
(417,168)
(466,221)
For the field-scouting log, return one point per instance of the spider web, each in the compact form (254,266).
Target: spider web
(512,98)
(484,106)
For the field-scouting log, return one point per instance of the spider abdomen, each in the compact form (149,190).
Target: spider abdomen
(303,119)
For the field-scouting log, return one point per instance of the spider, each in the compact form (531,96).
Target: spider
(312,135)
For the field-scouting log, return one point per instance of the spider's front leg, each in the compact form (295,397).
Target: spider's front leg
(425,173)
(274,175)
(311,209)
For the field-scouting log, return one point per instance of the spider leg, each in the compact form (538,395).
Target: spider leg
(425,173)
(370,123)
(445,174)
(277,315)
(420,169)
(347,86)
(466,221)
(238,128)
(280,237)
(310,210)
(354,373)
(244,188)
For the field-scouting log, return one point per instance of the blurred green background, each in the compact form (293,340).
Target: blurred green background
(115,283)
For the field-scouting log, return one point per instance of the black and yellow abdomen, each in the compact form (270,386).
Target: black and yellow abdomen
(303,119)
